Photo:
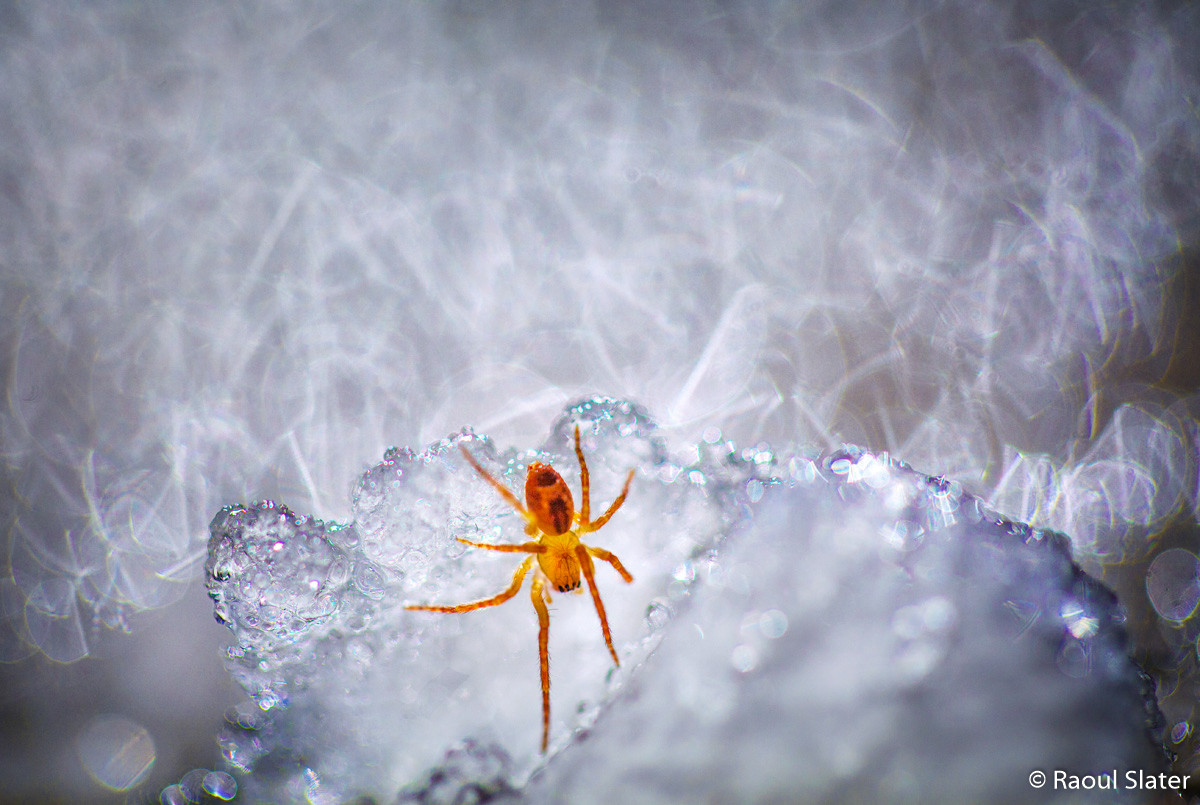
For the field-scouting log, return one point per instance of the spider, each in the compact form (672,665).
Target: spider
(551,519)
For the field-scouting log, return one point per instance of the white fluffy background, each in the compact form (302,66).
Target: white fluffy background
(246,247)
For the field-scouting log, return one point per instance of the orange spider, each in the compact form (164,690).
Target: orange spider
(549,516)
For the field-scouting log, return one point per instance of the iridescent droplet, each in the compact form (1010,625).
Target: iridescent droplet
(1180,731)
(173,795)
(192,784)
(1077,620)
(220,785)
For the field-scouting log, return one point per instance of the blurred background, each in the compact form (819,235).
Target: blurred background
(245,247)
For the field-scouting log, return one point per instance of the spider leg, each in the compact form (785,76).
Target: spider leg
(586,509)
(589,573)
(495,600)
(525,547)
(611,558)
(538,593)
(597,524)
(501,488)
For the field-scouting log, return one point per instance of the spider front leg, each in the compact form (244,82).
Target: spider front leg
(495,600)
(524,547)
(616,504)
(584,482)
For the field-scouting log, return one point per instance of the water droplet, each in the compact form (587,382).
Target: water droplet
(773,624)
(801,470)
(268,699)
(370,581)
(904,535)
(744,658)
(192,784)
(874,473)
(1077,621)
(1180,732)
(173,795)
(918,659)
(117,752)
(220,785)
(658,614)
(1173,584)
(1074,659)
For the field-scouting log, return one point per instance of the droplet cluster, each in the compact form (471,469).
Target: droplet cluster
(350,693)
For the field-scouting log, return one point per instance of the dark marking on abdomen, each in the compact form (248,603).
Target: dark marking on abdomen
(560,514)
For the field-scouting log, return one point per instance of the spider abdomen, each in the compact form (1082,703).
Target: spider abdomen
(549,500)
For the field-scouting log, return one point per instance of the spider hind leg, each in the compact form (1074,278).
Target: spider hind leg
(589,573)
(539,595)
